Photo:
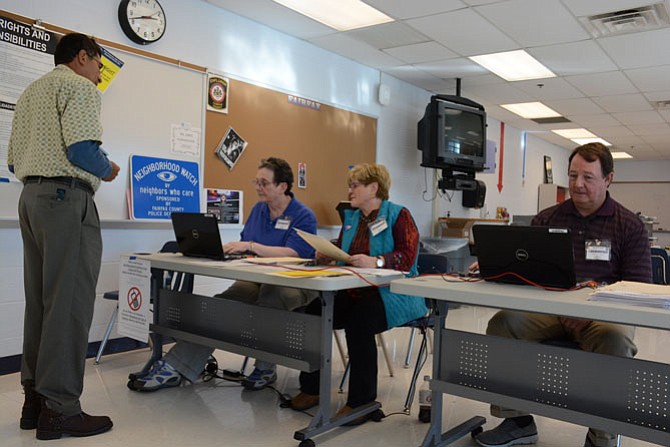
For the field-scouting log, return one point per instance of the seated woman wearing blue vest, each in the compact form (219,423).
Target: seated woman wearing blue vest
(376,233)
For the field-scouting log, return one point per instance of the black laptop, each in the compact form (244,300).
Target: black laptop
(542,255)
(198,236)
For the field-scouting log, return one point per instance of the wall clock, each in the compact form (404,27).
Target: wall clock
(143,21)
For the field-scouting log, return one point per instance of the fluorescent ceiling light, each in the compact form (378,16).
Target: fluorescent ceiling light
(513,65)
(339,14)
(531,110)
(574,133)
(581,141)
(621,155)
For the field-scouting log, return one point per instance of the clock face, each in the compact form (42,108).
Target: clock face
(143,21)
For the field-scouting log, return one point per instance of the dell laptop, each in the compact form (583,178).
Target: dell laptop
(540,255)
(198,236)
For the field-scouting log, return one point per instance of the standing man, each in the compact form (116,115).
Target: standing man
(54,149)
(610,244)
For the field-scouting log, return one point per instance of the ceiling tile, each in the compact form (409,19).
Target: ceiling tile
(651,129)
(574,106)
(496,93)
(541,23)
(562,61)
(663,95)
(635,50)
(602,84)
(611,131)
(650,79)
(594,120)
(630,118)
(420,52)
(454,30)
(387,35)
(356,50)
(551,88)
(623,103)
(403,9)
(453,68)
(275,16)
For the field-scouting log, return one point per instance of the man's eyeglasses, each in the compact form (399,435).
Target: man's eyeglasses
(354,185)
(101,66)
(260,182)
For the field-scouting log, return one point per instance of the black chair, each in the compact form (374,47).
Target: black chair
(660,265)
(177,281)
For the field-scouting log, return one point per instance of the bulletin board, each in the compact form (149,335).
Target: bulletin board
(149,95)
(328,140)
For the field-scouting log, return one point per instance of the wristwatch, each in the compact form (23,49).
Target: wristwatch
(380,262)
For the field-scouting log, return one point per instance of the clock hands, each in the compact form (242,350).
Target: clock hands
(151,17)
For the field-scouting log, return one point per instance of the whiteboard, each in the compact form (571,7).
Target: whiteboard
(139,108)
(651,199)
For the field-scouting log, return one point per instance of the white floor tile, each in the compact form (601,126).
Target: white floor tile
(220,413)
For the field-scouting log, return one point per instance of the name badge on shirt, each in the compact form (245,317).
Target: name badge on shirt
(377,226)
(283,223)
(598,250)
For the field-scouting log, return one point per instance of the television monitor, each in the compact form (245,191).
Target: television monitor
(452,134)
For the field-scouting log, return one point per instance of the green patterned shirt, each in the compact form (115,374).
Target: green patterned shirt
(59,109)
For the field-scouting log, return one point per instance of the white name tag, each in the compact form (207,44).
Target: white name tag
(282,224)
(598,250)
(378,226)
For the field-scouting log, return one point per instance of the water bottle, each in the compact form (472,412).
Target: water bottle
(425,400)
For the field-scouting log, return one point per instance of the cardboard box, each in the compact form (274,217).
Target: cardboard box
(461,227)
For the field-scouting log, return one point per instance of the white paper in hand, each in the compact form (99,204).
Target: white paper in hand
(324,246)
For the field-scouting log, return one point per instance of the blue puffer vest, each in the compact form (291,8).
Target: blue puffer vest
(399,308)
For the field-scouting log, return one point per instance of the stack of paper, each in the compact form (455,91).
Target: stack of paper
(634,293)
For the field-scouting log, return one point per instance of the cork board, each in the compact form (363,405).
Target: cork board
(328,140)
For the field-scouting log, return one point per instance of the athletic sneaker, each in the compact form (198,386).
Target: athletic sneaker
(508,433)
(162,375)
(260,378)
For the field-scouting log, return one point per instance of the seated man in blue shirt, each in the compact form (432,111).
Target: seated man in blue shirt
(268,232)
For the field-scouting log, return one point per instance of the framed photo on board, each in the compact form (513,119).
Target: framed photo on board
(230,148)
(548,174)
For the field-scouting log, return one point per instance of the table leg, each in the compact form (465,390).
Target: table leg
(434,436)
(322,421)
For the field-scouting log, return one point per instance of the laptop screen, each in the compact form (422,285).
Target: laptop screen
(541,255)
(197,235)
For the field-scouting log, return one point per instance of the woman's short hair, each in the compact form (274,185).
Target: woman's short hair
(70,45)
(368,173)
(281,169)
(592,152)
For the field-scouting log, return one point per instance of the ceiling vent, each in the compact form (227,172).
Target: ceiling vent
(552,120)
(642,18)
(662,105)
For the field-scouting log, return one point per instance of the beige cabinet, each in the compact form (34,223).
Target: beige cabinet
(550,194)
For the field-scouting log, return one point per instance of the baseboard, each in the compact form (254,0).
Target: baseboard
(12,363)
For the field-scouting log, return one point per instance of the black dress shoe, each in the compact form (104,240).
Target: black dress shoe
(32,406)
(53,425)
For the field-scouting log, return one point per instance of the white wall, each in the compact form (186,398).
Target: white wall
(235,46)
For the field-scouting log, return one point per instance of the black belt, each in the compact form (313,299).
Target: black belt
(69,181)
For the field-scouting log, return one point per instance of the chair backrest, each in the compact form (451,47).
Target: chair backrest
(660,265)
(182,282)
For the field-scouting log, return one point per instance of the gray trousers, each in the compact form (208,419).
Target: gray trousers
(190,358)
(600,337)
(62,248)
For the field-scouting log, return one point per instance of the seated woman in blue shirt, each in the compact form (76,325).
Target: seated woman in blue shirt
(377,234)
(268,232)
